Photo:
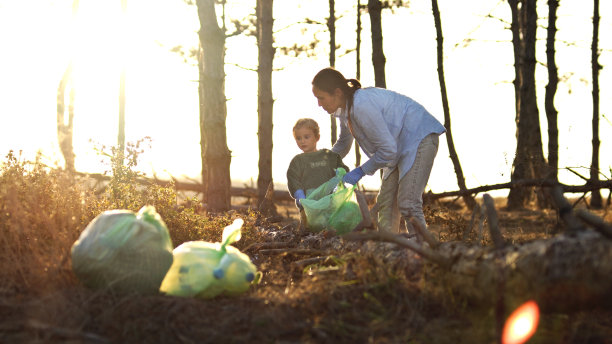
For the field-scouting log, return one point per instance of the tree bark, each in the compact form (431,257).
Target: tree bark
(358,69)
(467,198)
(551,89)
(265,22)
(516,49)
(596,201)
(529,160)
(204,189)
(378,56)
(216,156)
(331,26)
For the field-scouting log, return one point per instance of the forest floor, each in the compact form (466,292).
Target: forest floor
(316,288)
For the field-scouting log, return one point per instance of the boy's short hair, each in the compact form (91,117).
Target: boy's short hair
(308,123)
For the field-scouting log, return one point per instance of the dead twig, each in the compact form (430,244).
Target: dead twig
(266,245)
(425,252)
(286,251)
(496,236)
(578,174)
(299,264)
(581,198)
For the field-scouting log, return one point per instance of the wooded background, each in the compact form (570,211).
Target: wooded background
(530,166)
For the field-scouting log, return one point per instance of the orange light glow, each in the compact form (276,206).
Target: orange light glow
(521,324)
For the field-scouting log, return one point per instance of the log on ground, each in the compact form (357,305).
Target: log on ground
(563,273)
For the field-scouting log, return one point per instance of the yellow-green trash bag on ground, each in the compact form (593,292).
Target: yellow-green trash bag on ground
(332,206)
(205,270)
(123,251)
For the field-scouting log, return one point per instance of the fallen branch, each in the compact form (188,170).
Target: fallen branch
(246,192)
(424,233)
(601,184)
(267,245)
(596,222)
(291,251)
(370,195)
(566,211)
(568,272)
(402,241)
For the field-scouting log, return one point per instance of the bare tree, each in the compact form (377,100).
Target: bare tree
(358,69)
(216,157)
(467,198)
(529,160)
(121,133)
(65,125)
(331,26)
(265,22)
(378,56)
(596,201)
(551,89)
(516,49)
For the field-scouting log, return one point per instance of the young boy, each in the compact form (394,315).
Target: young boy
(313,167)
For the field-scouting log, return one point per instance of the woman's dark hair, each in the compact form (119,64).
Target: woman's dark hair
(328,79)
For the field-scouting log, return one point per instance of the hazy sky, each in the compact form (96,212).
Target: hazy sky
(38,38)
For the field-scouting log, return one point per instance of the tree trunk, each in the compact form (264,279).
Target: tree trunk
(596,201)
(121,127)
(516,46)
(358,69)
(378,56)
(216,156)
(265,23)
(204,189)
(65,127)
(468,199)
(529,160)
(551,89)
(331,26)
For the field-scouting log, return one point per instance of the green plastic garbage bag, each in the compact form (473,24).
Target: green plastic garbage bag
(123,251)
(205,270)
(332,206)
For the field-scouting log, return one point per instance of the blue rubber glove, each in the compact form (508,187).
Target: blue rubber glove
(354,176)
(299,195)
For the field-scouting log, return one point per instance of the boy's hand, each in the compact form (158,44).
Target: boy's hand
(299,195)
(354,176)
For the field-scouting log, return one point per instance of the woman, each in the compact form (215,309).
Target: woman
(396,133)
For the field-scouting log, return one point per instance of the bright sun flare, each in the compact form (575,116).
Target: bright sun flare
(521,324)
